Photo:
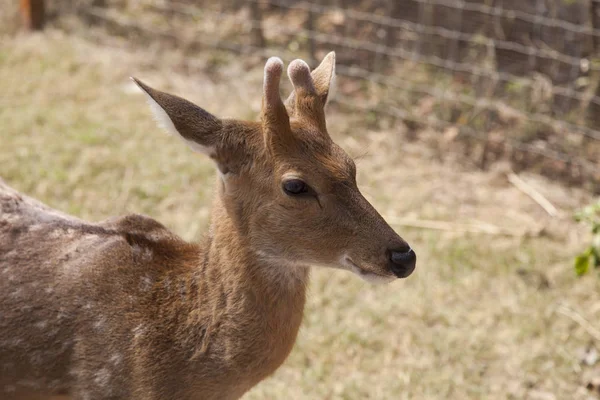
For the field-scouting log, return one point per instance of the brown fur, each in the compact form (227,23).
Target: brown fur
(125,309)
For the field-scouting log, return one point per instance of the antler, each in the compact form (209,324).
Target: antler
(273,109)
(274,116)
(307,100)
(311,89)
(299,73)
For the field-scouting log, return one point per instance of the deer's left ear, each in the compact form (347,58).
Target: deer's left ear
(200,129)
(324,78)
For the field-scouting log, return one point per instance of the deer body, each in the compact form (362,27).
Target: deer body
(125,309)
(119,302)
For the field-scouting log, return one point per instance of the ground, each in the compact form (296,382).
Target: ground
(484,316)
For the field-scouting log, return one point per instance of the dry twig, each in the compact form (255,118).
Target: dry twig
(534,195)
(580,320)
(479,227)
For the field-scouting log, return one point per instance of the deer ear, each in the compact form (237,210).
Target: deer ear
(324,78)
(323,81)
(198,128)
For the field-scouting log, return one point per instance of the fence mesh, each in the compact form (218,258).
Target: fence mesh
(500,79)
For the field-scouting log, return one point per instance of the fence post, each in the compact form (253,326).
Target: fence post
(256,36)
(310,27)
(32,14)
(594,108)
(380,60)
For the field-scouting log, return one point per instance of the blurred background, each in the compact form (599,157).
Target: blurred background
(476,129)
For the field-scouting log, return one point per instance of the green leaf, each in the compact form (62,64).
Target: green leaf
(582,263)
(595,259)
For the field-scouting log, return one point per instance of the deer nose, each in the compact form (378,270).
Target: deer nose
(402,262)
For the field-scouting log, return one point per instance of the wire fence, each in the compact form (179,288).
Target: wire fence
(504,79)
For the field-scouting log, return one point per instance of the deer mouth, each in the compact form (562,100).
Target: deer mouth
(367,275)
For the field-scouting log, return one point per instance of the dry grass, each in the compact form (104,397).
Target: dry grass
(478,320)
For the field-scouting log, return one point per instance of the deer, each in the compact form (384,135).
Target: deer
(126,309)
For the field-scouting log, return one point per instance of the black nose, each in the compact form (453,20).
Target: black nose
(402,263)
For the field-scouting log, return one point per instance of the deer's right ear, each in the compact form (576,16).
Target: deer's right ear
(198,128)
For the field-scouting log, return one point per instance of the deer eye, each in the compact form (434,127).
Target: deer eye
(295,187)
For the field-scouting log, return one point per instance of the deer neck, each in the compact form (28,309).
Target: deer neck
(266,298)
(230,251)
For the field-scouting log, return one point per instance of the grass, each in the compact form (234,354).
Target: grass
(480,317)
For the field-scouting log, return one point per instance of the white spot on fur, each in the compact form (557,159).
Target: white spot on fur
(41,324)
(53,332)
(11,218)
(70,268)
(143,252)
(49,290)
(99,325)
(11,253)
(55,234)
(116,359)
(262,254)
(138,331)
(66,344)
(35,228)
(61,233)
(62,314)
(146,283)
(102,377)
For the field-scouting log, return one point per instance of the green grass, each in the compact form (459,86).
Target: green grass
(475,321)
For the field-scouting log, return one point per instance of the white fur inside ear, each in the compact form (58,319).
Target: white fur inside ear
(332,87)
(198,147)
(161,117)
(164,121)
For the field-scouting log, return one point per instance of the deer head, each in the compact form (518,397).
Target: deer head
(288,189)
